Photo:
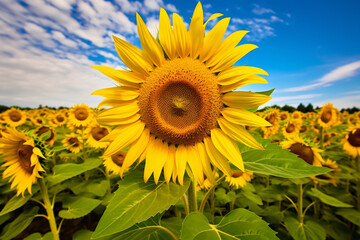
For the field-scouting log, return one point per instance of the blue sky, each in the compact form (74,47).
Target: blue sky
(310,49)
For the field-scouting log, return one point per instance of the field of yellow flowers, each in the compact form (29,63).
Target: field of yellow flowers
(57,180)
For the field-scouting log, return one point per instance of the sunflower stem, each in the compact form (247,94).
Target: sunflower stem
(192,198)
(49,208)
(300,204)
(321,137)
(316,206)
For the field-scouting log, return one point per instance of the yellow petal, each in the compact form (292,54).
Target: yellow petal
(38,152)
(133,57)
(226,46)
(150,46)
(156,156)
(235,74)
(227,147)
(114,120)
(244,100)
(212,17)
(122,77)
(181,160)
(246,81)
(234,56)
(213,39)
(111,103)
(197,31)
(205,162)
(137,148)
(195,164)
(217,159)
(169,166)
(127,135)
(182,38)
(238,133)
(122,111)
(118,93)
(243,117)
(166,34)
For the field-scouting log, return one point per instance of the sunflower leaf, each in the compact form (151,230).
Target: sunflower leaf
(275,161)
(136,201)
(238,222)
(309,230)
(78,207)
(69,170)
(329,200)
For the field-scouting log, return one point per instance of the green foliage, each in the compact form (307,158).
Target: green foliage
(275,161)
(78,207)
(328,199)
(37,236)
(351,215)
(69,170)
(309,230)
(237,224)
(15,227)
(136,201)
(14,203)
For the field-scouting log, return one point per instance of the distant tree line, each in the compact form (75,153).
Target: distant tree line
(3,108)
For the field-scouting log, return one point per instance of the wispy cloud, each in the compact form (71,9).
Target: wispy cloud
(342,102)
(258,10)
(340,73)
(286,99)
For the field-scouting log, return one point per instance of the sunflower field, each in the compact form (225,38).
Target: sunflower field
(177,151)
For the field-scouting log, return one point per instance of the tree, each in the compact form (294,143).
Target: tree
(301,107)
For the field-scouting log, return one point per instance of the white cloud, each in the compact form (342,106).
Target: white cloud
(153,25)
(155,5)
(286,99)
(129,7)
(340,73)
(258,10)
(342,102)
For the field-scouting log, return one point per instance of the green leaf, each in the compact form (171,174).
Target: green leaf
(69,170)
(37,236)
(275,161)
(252,197)
(19,224)
(329,200)
(14,203)
(94,186)
(309,230)
(224,197)
(352,215)
(59,148)
(237,224)
(78,207)
(136,201)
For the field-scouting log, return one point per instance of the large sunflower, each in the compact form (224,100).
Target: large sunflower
(352,141)
(22,160)
(177,106)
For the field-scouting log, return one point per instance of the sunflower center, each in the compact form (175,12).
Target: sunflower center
(271,119)
(39,120)
(290,128)
(354,138)
(15,116)
(304,152)
(81,114)
(283,116)
(118,158)
(237,174)
(180,101)
(75,141)
(99,132)
(60,118)
(326,116)
(24,153)
(303,129)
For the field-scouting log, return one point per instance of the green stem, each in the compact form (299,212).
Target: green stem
(316,206)
(192,197)
(321,137)
(300,203)
(205,199)
(49,209)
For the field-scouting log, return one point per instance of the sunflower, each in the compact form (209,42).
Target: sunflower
(297,116)
(37,120)
(310,115)
(291,128)
(59,119)
(327,116)
(80,115)
(303,129)
(326,140)
(2,118)
(315,125)
(176,106)
(331,176)
(75,142)
(95,134)
(284,116)
(351,143)
(14,117)
(299,147)
(351,120)
(271,116)
(114,163)
(44,129)
(22,160)
(239,178)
